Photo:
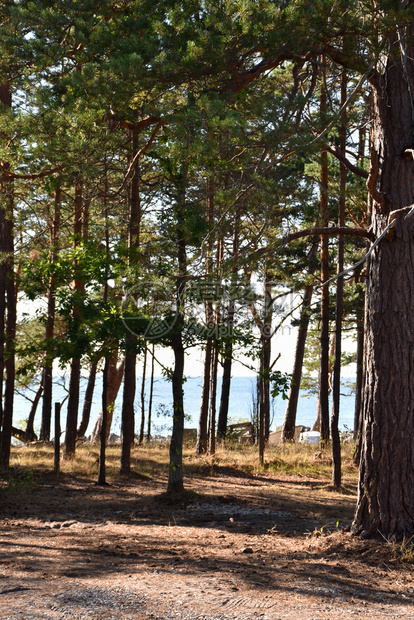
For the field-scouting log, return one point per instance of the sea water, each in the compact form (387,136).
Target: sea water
(241,405)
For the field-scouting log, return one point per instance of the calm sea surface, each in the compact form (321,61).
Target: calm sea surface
(241,405)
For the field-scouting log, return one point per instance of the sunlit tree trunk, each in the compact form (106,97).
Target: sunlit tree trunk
(386,482)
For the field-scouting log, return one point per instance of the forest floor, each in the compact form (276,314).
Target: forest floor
(242,544)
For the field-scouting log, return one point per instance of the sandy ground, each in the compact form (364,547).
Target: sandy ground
(241,546)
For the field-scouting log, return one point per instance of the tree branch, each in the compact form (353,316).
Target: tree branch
(334,150)
(8,175)
(309,232)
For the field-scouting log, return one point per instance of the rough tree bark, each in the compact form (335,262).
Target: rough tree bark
(386,483)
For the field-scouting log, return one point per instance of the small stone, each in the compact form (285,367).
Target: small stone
(247,550)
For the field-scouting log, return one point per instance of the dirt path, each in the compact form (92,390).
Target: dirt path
(244,547)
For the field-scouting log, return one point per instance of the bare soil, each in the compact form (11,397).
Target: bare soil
(237,545)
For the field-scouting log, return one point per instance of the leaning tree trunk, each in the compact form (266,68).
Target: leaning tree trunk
(115,376)
(87,401)
(288,430)
(386,483)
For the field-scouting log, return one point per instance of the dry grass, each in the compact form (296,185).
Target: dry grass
(151,460)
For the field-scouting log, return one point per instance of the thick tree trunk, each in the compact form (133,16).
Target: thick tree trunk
(386,483)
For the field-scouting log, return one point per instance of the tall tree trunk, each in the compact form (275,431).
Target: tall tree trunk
(75,365)
(288,430)
(203,423)
(386,481)
(324,336)
(50,324)
(336,388)
(133,234)
(175,475)
(9,307)
(228,346)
